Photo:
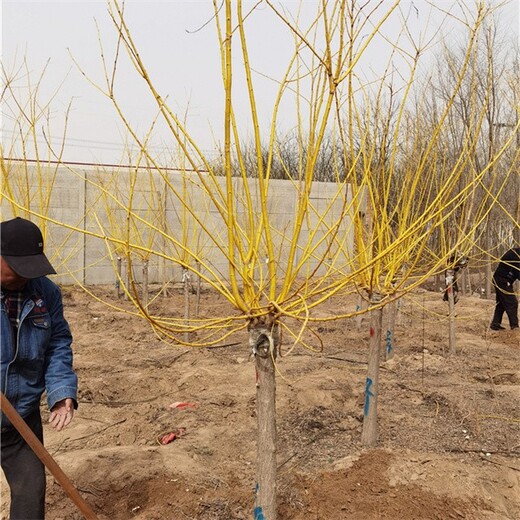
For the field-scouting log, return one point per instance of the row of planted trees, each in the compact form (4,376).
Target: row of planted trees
(414,187)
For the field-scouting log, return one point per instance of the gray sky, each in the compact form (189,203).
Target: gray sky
(177,41)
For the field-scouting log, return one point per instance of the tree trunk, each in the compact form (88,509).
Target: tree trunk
(129,277)
(488,264)
(263,339)
(450,279)
(516,229)
(369,434)
(467,287)
(437,281)
(463,283)
(186,283)
(197,301)
(145,284)
(118,281)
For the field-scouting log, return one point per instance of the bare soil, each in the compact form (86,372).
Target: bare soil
(449,425)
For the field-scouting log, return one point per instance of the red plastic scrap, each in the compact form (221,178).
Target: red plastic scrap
(166,438)
(182,405)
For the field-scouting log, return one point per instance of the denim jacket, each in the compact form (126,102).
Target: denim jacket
(508,268)
(42,358)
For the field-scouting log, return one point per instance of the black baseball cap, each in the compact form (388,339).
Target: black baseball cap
(22,248)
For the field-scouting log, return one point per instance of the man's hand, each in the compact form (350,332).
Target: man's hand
(61,414)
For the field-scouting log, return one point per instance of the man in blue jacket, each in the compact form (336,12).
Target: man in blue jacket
(36,356)
(507,271)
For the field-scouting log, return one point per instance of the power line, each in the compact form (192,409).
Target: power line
(105,165)
(102,145)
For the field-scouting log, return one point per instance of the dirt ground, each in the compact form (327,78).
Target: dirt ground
(449,426)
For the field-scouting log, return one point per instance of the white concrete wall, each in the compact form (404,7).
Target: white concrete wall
(77,201)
